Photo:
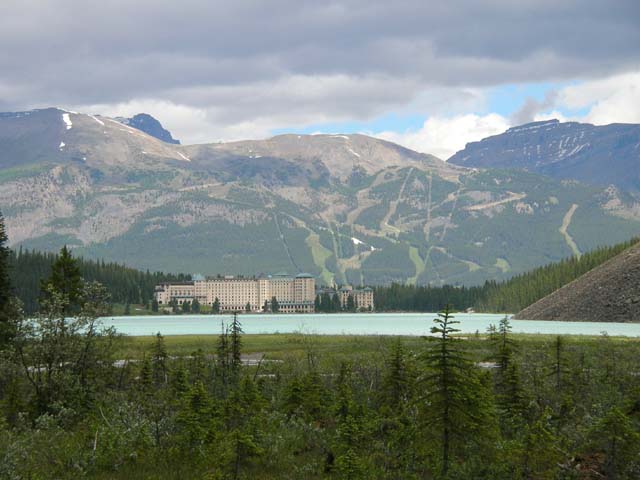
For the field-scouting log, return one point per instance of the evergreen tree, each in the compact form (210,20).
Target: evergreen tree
(326,305)
(453,395)
(618,440)
(265,307)
(275,306)
(154,305)
(317,304)
(175,308)
(395,383)
(8,310)
(127,309)
(336,306)
(159,358)
(65,279)
(351,304)
(215,306)
(223,354)
(235,345)
(195,306)
(186,307)
(247,307)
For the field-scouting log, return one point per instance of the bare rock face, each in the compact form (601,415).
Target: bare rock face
(597,155)
(608,293)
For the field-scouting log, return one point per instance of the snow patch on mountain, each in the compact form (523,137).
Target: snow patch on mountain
(67,121)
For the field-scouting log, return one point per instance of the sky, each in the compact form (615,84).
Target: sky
(430,75)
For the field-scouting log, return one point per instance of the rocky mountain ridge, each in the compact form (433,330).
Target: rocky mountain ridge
(149,125)
(348,208)
(597,155)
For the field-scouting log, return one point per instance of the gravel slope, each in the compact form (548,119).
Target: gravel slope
(608,293)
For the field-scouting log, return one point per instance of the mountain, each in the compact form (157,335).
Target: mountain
(597,155)
(348,208)
(608,293)
(146,123)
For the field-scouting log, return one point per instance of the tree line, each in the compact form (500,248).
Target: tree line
(125,285)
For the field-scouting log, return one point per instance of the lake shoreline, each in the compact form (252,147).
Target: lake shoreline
(361,324)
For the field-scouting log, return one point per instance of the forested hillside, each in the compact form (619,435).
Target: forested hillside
(523,290)
(124,284)
(510,296)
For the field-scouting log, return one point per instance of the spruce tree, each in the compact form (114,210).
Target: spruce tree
(275,306)
(215,306)
(186,307)
(7,302)
(336,306)
(65,279)
(195,306)
(351,304)
(453,398)
(235,345)
(159,358)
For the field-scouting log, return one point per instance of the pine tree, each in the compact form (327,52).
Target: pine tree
(65,278)
(154,305)
(453,397)
(8,310)
(186,307)
(215,306)
(275,306)
(195,306)
(235,345)
(615,437)
(336,306)
(395,383)
(351,304)
(159,358)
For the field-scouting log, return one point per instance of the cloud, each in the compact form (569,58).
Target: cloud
(614,99)
(442,136)
(532,108)
(217,70)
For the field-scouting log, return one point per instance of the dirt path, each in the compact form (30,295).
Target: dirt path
(566,221)
(483,206)
(384,225)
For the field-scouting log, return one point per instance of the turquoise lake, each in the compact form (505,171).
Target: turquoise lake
(410,324)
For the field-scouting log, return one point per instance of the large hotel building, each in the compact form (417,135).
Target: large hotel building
(293,294)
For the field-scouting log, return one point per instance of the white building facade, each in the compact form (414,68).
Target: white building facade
(293,294)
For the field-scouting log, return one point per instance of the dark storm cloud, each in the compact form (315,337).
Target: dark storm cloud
(199,52)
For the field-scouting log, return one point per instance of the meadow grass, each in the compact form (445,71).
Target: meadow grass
(281,345)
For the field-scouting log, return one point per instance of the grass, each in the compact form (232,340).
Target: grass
(280,346)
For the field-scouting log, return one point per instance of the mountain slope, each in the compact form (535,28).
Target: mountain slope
(349,208)
(597,155)
(608,293)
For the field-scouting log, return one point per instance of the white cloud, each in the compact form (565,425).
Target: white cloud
(609,100)
(443,136)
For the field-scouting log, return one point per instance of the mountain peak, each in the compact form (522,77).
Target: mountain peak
(149,125)
(593,154)
(534,125)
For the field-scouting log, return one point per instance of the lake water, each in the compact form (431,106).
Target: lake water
(410,324)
